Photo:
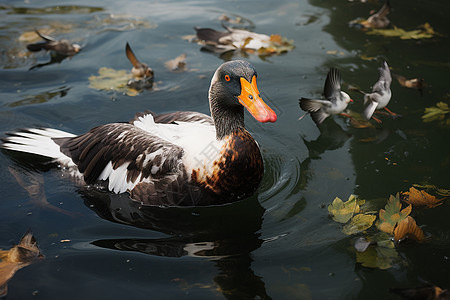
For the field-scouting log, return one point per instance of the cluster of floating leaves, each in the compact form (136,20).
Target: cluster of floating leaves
(437,113)
(394,224)
(424,31)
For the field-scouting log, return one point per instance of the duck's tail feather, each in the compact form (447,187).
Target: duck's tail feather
(38,141)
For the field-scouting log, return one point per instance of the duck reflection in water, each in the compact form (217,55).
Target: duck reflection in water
(225,234)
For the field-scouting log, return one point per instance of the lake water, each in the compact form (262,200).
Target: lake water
(281,242)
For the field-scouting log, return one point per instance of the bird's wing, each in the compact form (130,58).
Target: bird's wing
(209,35)
(133,59)
(332,86)
(384,10)
(369,110)
(384,80)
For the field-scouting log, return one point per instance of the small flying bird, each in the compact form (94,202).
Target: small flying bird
(380,96)
(413,83)
(61,47)
(379,19)
(140,70)
(336,100)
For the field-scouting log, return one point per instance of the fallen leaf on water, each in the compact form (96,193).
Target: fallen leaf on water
(19,256)
(343,211)
(420,198)
(359,223)
(408,228)
(425,31)
(431,292)
(277,45)
(440,191)
(178,64)
(381,256)
(112,80)
(392,214)
(437,113)
(361,244)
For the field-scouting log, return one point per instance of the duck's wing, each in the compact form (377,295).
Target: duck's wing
(332,87)
(123,154)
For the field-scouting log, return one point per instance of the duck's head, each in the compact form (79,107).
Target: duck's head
(233,87)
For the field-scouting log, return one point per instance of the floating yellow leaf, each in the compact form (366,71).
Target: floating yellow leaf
(112,80)
(440,191)
(392,214)
(425,31)
(343,211)
(437,113)
(360,222)
(420,198)
(408,228)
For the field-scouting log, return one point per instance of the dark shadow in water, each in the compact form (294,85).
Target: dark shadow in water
(331,137)
(41,97)
(54,58)
(226,234)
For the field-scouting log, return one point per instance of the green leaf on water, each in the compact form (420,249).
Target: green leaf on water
(437,113)
(392,214)
(382,255)
(341,211)
(359,223)
(424,31)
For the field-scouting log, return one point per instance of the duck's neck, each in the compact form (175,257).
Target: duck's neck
(227,119)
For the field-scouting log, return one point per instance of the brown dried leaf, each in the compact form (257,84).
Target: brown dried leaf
(408,228)
(420,198)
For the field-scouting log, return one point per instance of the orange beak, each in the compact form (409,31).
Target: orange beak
(251,100)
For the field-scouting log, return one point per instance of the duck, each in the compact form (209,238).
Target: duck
(181,158)
(61,47)
(380,96)
(335,102)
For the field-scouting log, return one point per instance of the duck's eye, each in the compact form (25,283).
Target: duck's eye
(227,77)
(250,97)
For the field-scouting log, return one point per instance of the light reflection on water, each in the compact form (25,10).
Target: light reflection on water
(280,243)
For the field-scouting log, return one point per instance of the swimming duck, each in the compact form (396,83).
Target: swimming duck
(174,159)
(335,102)
(61,47)
(380,96)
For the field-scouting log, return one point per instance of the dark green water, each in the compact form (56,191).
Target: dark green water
(278,244)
